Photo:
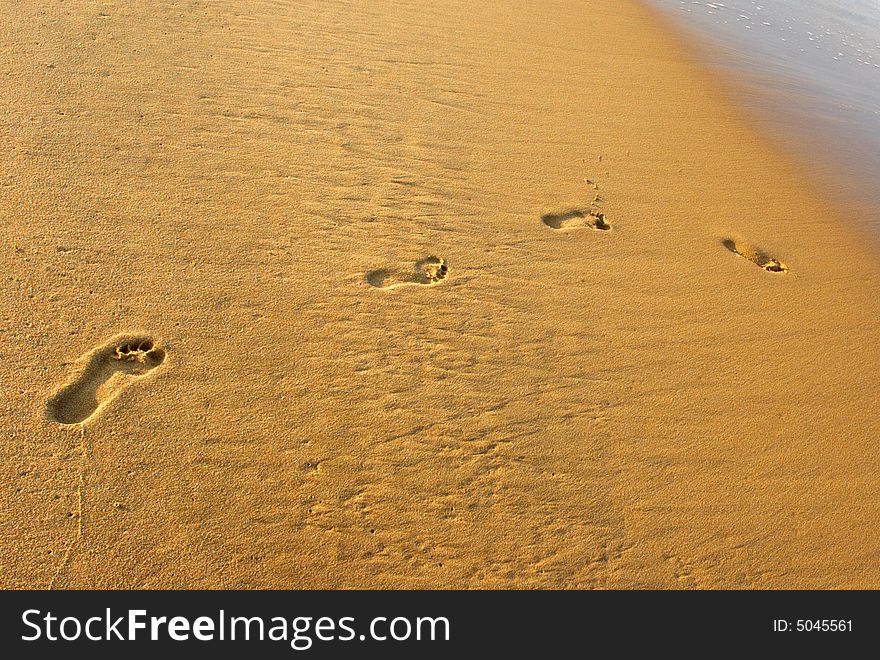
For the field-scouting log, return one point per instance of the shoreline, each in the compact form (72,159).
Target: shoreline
(766,106)
(331,295)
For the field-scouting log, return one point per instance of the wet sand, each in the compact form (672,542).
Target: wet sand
(808,73)
(380,294)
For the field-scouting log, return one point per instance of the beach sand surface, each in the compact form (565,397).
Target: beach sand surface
(323,294)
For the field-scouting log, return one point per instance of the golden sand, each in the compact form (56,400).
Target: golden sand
(416,294)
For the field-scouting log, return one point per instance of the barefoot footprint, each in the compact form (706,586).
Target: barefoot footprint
(756,256)
(106,372)
(576,218)
(429,270)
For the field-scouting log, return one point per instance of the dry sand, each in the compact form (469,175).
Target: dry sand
(302,258)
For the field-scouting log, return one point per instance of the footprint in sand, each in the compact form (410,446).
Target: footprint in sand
(576,218)
(756,256)
(106,372)
(429,270)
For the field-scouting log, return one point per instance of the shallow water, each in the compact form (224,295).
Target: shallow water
(812,70)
